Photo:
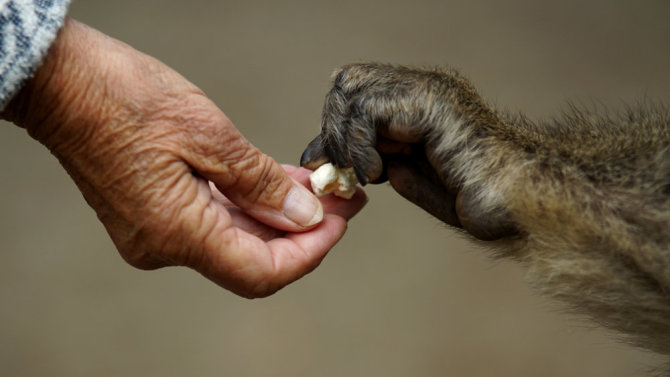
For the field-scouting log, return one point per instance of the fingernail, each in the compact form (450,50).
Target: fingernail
(302,207)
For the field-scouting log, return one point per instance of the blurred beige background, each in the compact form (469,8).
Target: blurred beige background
(401,295)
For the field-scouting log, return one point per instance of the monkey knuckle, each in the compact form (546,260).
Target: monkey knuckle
(339,76)
(343,73)
(351,77)
(358,105)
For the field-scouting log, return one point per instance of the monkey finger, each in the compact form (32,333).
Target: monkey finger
(367,163)
(314,155)
(319,151)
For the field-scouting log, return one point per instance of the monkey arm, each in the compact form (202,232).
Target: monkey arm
(590,197)
(583,202)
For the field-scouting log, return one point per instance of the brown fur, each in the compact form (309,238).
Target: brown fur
(583,201)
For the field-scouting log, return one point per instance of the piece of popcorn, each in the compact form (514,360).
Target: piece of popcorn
(328,178)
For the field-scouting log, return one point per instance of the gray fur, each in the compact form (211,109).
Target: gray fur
(582,201)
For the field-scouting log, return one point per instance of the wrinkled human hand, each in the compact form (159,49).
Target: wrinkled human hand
(170,177)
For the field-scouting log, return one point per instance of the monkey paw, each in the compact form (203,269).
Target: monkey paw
(399,124)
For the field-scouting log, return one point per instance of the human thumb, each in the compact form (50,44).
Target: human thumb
(259,185)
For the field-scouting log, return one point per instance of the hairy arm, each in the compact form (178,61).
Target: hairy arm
(583,202)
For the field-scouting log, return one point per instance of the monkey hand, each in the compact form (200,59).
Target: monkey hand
(412,128)
(583,201)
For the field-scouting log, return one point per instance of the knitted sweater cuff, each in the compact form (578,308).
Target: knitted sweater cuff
(27,29)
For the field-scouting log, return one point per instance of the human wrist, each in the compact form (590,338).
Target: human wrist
(57,99)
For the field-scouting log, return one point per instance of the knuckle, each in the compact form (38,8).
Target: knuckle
(255,179)
(339,76)
(347,77)
(266,183)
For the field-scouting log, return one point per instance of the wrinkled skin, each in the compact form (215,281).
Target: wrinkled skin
(168,174)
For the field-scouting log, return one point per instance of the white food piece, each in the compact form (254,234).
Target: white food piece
(328,178)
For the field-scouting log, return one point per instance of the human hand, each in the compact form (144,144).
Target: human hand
(170,177)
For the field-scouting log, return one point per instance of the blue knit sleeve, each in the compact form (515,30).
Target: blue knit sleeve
(27,29)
